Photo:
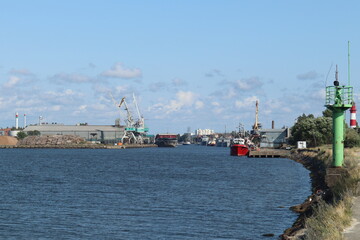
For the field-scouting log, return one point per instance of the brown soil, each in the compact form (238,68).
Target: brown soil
(6,140)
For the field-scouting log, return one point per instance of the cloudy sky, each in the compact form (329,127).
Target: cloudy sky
(197,64)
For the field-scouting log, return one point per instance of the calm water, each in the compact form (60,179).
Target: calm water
(190,192)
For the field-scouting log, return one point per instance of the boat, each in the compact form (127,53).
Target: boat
(239,148)
(166,140)
(204,141)
(186,143)
(211,143)
(223,142)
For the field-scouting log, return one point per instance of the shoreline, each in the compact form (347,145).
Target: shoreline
(318,185)
(80,146)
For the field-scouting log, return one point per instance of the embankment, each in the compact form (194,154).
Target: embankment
(325,213)
(61,141)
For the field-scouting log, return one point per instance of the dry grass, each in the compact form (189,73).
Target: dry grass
(330,219)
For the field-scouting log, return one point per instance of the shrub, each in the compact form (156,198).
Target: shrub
(21,135)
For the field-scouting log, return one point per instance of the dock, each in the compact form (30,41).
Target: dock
(269,153)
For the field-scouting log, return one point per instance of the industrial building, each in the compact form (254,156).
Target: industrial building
(98,133)
(5,131)
(204,132)
(274,138)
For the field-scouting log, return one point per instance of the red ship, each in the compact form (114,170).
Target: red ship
(239,148)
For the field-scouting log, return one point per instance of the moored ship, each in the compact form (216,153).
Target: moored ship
(239,148)
(166,140)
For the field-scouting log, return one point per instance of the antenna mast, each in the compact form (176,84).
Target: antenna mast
(348,63)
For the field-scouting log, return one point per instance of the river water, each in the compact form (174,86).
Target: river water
(188,192)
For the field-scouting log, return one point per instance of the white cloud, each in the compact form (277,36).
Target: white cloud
(186,98)
(121,89)
(183,99)
(248,83)
(99,107)
(24,72)
(119,71)
(13,80)
(83,107)
(199,104)
(218,110)
(246,103)
(178,82)
(157,86)
(311,75)
(55,108)
(216,104)
(319,95)
(72,78)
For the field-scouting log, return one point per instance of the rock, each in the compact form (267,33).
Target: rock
(52,140)
(268,235)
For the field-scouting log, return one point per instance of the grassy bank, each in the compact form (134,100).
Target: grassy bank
(331,215)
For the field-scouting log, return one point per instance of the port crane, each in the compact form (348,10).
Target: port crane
(134,129)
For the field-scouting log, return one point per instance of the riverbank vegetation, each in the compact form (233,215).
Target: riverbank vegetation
(331,216)
(328,217)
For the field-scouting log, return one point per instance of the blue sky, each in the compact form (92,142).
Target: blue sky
(198,64)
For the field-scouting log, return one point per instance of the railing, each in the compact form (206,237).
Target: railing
(339,96)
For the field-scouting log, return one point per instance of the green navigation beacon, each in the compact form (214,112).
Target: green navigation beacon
(338,100)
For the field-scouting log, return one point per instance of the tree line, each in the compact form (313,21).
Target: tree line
(317,131)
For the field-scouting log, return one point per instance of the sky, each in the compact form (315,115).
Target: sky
(190,64)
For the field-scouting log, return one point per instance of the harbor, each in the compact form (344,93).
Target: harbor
(180,120)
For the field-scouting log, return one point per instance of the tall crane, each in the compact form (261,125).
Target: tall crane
(256,124)
(117,105)
(129,119)
(133,129)
(140,122)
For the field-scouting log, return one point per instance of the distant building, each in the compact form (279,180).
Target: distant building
(101,133)
(204,132)
(5,131)
(274,138)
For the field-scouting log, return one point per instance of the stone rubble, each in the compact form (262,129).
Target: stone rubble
(52,140)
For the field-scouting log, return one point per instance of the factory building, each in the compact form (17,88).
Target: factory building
(274,138)
(98,133)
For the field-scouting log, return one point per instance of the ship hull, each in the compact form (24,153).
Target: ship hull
(239,150)
(166,143)
(166,140)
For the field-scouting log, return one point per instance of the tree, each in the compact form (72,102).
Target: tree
(352,138)
(33,133)
(315,131)
(21,135)
(327,113)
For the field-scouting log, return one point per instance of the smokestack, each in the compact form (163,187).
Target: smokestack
(24,120)
(272,124)
(353,116)
(16,120)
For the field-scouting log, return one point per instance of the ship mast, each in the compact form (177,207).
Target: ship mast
(256,124)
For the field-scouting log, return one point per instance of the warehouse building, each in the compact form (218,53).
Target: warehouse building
(274,138)
(97,133)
